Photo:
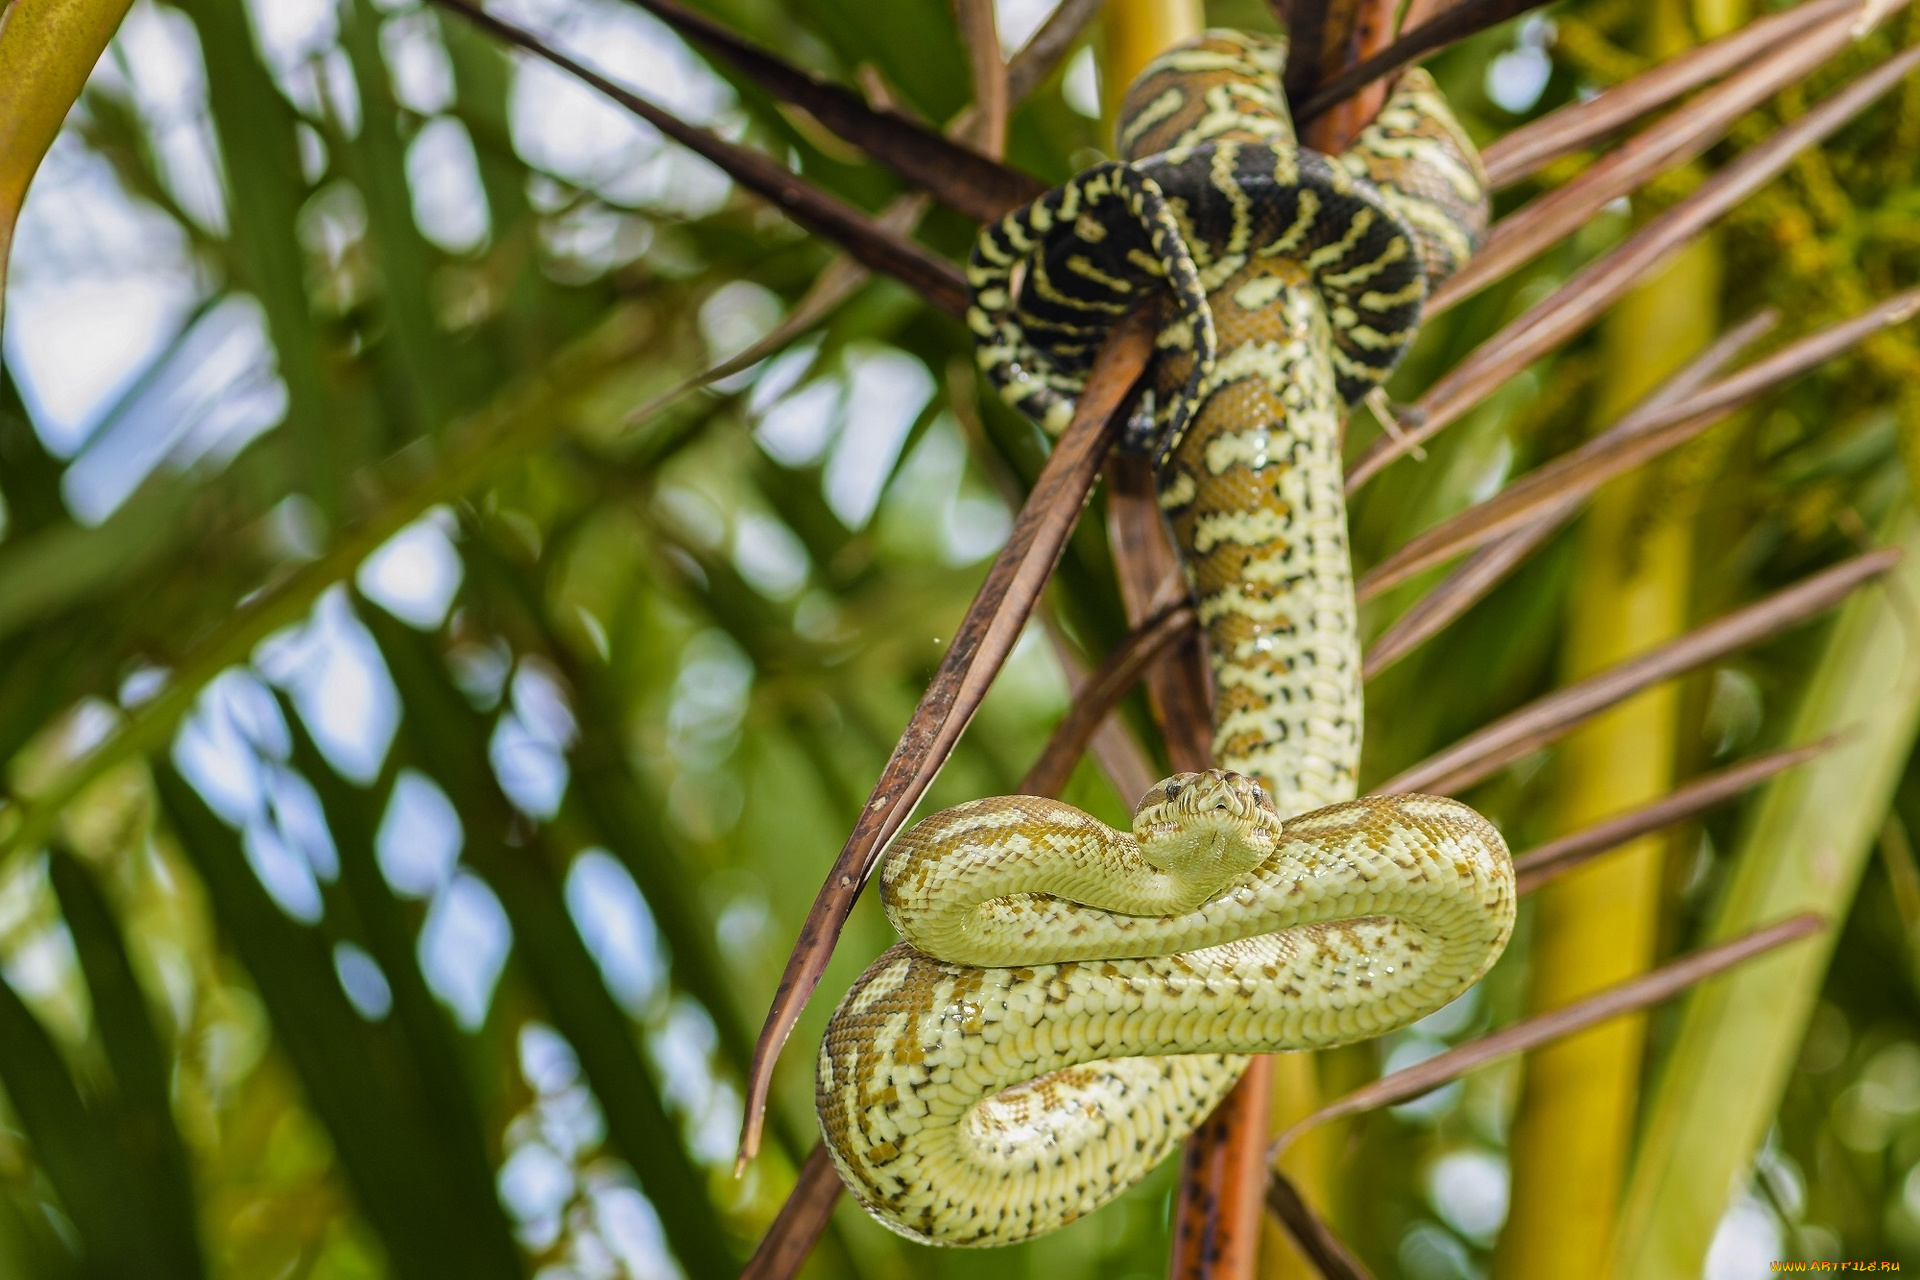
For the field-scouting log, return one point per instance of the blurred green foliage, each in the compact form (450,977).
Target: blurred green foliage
(434,943)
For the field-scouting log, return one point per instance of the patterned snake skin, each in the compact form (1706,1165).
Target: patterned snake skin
(1071,1000)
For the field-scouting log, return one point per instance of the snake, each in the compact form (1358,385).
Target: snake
(1069,1000)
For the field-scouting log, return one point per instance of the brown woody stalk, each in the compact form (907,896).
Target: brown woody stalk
(985,637)
(1557,318)
(1045,49)
(1216,1215)
(1457,23)
(981,35)
(1638,993)
(801,1222)
(1150,577)
(1322,1248)
(1550,718)
(1101,693)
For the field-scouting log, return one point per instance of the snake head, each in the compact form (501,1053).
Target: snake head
(1205,829)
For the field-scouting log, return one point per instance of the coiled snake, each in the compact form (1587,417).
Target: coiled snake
(1071,1000)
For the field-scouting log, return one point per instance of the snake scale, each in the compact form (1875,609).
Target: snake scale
(1070,1000)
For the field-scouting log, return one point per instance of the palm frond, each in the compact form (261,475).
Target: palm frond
(1651,988)
(1557,318)
(993,623)
(1483,753)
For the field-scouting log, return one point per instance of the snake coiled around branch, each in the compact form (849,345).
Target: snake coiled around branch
(1070,1000)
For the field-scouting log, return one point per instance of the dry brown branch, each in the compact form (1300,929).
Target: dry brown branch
(1557,857)
(1150,577)
(1573,475)
(802,1221)
(976,185)
(1486,567)
(933,277)
(1041,54)
(1638,993)
(1457,23)
(1316,1241)
(1594,288)
(1097,698)
(1549,718)
(986,635)
(1534,145)
(1369,31)
(1216,1217)
(1112,745)
(1680,137)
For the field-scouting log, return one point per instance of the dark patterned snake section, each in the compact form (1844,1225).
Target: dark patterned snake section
(1070,999)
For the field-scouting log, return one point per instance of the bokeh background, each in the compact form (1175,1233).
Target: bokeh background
(456,725)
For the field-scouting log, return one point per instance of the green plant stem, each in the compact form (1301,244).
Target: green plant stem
(1803,850)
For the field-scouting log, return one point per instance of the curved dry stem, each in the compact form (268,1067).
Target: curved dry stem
(1549,718)
(1648,989)
(1524,152)
(1642,436)
(959,177)
(1547,221)
(986,635)
(1557,857)
(1489,565)
(1101,693)
(801,1222)
(1557,318)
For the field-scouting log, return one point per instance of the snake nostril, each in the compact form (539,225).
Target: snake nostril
(1173,790)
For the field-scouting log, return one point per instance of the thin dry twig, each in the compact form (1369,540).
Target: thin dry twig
(986,635)
(1322,1248)
(1368,29)
(976,185)
(1573,475)
(1525,151)
(1564,313)
(1489,565)
(1550,718)
(1626,997)
(981,35)
(1457,23)
(1148,569)
(933,277)
(801,1222)
(1556,858)
(1096,699)
(1112,745)
(1045,49)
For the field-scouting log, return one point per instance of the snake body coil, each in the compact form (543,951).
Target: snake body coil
(1071,1000)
